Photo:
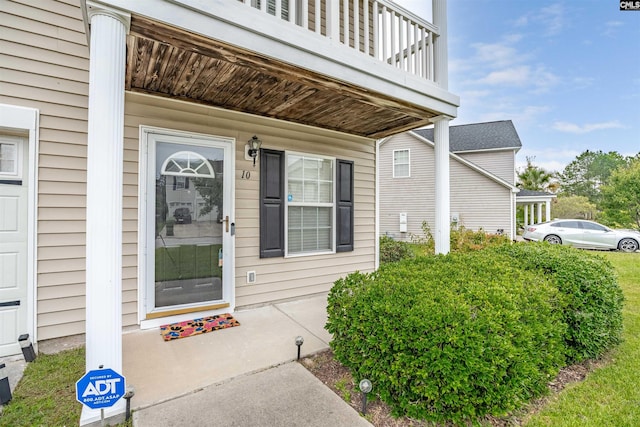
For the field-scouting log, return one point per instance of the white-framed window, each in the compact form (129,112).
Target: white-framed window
(401,163)
(9,159)
(310,204)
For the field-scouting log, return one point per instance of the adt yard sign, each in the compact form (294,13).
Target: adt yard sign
(99,389)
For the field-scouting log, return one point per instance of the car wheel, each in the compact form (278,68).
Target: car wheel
(628,245)
(553,239)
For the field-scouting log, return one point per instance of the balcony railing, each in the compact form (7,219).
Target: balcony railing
(378,28)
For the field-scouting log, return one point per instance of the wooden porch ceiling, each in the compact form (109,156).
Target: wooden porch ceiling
(170,62)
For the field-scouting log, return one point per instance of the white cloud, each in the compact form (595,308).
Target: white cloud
(548,20)
(496,55)
(553,18)
(517,76)
(519,114)
(582,82)
(552,160)
(521,76)
(610,28)
(590,127)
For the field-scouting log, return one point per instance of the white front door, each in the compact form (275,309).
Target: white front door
(13,242)
(189,224)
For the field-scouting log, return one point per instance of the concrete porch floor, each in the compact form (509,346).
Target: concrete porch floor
(162,371)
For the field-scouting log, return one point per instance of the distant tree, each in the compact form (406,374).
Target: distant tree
(535,178)
(577,207)
(621,196)
(211,191)
(585,175)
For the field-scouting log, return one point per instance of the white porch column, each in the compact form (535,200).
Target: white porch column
(440,52)
(532,213)
(442,220)
(526,215)
(108,30)
(548,210)
(539,205)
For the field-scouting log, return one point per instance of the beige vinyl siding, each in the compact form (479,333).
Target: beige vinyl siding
(277,278)
(501,163)
(479,201)
(44,65)
(413,195)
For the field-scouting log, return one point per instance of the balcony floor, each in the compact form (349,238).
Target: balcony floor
(171,62)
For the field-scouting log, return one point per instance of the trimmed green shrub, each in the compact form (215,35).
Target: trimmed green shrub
(393,250)
(449,338)
(461,239)
(593,299)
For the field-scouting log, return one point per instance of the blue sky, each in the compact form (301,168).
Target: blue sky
(567,73)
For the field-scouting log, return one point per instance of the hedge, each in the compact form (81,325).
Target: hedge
(454,338)
(449,338)
(593,299)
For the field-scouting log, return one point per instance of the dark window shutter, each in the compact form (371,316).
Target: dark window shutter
(271,203)
(344,196)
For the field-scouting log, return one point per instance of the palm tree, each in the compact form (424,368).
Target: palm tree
(535,178)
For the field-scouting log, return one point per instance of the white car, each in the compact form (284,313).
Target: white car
(583,234)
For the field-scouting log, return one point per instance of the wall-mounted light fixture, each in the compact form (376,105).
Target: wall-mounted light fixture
(253,147)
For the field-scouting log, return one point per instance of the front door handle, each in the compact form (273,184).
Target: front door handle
(226,223)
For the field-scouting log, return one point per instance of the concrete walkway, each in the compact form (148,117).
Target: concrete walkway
(241,376)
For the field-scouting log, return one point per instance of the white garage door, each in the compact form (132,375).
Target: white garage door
(13,242)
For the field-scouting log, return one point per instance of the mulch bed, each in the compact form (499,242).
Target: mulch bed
(338,378)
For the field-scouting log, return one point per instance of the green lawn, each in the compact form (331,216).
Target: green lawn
(46,393)
(610,396)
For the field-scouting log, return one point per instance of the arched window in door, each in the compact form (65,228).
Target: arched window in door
(188,164)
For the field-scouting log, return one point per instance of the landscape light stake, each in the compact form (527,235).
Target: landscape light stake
(299,341)
(5,388)
(365,387)
(127,396)
(27,348)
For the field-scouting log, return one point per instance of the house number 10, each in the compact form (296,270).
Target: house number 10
(246,174)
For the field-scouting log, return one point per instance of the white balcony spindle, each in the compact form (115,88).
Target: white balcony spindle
(305,15)
(416,49)
(292,11)
(384,35)
(278,8)
(407,46)
(318,16)
(333,19)
(376,31)
(394,44)
(367,28)
(423,53)
(356,24)
(345,22)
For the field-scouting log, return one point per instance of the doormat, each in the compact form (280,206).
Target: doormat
(189,328)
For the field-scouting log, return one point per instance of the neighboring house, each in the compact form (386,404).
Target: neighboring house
(532,203)
(98,145)
(482,175)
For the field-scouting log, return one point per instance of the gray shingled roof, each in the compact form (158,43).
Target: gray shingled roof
(479,136)
(529,193)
